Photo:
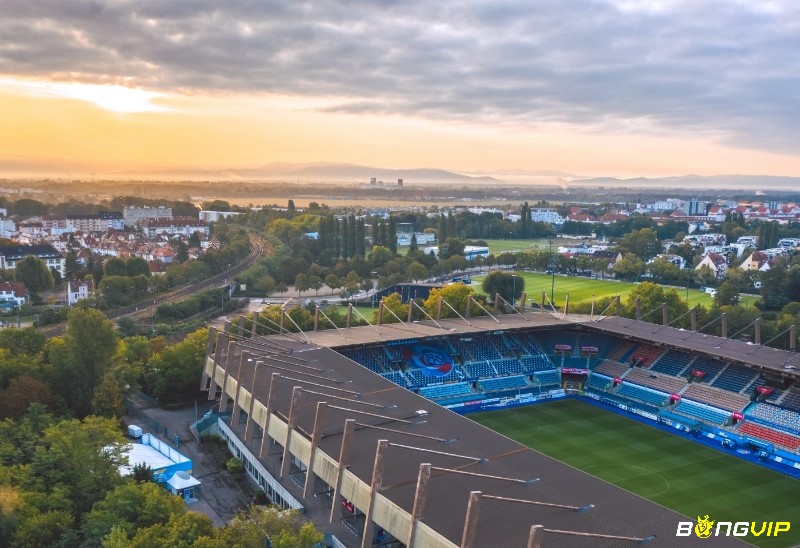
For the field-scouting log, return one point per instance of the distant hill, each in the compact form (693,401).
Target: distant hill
(353,172)
(743,182)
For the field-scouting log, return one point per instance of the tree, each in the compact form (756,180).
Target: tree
(394,303)
(455,295)
(509,286)
(301,283)
(22,391)
(27,340)
(194,240)
(333,281)
(727,294)
(109,397)
(181,530)
(142,473)
(117,291)
(315,283)
(665,272)
(173,372)
(379,256)
(629,267)
(33,272)
(643,243)
(130,507)
(265,285)
(450,247)
(416,271)
(651,297)
(114,267)
(80,460)
(182,252)
(775,290)
(90,343)
(285,529)
(72,268)
(351,282)
(50,528)
(137,266)
(705,275)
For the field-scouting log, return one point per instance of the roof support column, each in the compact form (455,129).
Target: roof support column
(471,521)
(536,536)
(375,487)
(254,328)
(236,407)
(344,462)
(212,331)
(297,393)
(223,398)
(273,388)
(248,429)
(419,500)
(308,489)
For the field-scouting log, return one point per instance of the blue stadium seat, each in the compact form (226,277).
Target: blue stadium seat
(641,393)
(480,369)
(709,366)
(503,383)
(734,378)
(703,412)
(673,362)
(548,378)
(599,382)
(445,391)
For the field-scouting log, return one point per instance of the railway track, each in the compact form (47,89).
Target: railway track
(258,249)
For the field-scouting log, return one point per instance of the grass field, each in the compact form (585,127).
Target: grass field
(581,289)
(682,475)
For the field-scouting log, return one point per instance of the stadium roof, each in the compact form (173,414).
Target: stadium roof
(402,331)
(766,358)
(377,404)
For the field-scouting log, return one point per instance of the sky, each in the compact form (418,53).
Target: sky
(593,87)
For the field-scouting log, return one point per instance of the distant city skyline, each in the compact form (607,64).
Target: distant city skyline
(593,87)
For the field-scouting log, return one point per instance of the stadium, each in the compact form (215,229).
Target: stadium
(369,430)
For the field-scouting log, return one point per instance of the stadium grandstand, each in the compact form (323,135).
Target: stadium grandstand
(363,430)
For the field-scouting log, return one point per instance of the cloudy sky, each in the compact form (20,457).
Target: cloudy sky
(596,87)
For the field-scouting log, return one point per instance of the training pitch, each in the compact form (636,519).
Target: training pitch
(684,476)
(581,289)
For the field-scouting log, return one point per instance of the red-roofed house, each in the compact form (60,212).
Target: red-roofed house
(755,261)
(12,295)
(716,262)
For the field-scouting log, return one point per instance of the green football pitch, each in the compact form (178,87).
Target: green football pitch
(684,476)
(581,289)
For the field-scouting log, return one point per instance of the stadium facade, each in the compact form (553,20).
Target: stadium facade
(362,428)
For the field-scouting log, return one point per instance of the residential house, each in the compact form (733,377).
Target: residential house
(677,260)
(755,261)
(612,257)
(183,226)
(78,290)
(12,295)
(716,262)
(10,254)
